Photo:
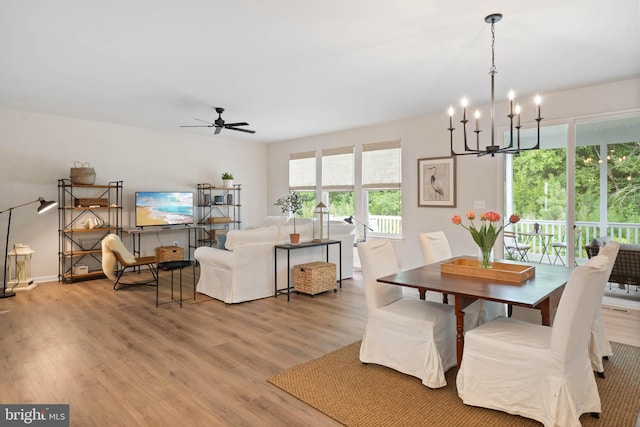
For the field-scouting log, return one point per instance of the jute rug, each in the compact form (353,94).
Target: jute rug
(355,394)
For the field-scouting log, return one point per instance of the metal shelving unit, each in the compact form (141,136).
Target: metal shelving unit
(79,247)
(218,210)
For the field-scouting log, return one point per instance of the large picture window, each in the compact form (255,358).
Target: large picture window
(381,185)
(366,187)
(338,181)
(302,178)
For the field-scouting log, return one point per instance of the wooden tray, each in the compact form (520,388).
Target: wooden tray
(467,266)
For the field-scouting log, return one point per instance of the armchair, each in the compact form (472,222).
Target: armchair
(113,252)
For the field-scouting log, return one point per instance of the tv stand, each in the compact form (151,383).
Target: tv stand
(136,234)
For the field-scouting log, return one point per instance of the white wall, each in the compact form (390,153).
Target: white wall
(36,150)
(477,178)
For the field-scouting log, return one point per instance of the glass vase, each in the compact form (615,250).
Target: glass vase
(485,258)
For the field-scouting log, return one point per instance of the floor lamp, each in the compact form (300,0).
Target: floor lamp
(365,227)
(44,206)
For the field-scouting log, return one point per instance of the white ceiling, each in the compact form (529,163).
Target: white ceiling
(294,68)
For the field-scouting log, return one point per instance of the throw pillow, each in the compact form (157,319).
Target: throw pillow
(600,241)
(221,239)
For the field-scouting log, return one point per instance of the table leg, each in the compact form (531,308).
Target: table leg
(181,286)
(459,331)
(461,303)
(340,261)
(288,273)
(275,272)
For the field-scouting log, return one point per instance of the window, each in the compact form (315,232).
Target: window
(302,178)
(338,181)
(381,184)
(373,198)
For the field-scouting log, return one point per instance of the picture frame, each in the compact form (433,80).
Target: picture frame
(437,182)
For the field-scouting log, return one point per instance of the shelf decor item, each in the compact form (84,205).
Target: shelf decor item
(292,202)
(321,223)
(485,236)
(503,272)
(82,174)
(227,180)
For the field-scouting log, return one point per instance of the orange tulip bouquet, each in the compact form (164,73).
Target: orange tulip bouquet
(485,236)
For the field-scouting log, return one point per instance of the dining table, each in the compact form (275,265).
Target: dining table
(542,291)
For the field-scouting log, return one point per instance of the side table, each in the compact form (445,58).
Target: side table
(172,266)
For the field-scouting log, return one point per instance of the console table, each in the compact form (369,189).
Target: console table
(290,247)
(137,233)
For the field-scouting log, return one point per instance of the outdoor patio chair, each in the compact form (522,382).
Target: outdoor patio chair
(515,250)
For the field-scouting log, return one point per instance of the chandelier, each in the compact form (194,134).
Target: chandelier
(514,146)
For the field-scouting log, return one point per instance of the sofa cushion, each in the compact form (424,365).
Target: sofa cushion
(237,238)
(274,220)
(305,231)
(629,247)
(221,240)
(339,228)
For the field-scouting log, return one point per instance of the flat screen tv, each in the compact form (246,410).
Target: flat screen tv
(163,208)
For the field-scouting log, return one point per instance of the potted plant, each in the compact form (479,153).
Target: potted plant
(227,180)
(292,202)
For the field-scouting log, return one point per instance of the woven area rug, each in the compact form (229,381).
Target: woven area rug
(355,394)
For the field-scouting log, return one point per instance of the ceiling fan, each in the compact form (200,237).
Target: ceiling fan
(219,124)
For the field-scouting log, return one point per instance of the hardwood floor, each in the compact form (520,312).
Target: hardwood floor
(120,361)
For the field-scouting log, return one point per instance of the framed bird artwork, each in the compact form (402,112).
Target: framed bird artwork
(437,182)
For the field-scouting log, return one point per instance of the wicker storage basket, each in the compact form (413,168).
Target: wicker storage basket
(82,174)
(314,277)
(169,253)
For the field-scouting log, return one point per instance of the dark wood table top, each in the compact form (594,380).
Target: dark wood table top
(547,280)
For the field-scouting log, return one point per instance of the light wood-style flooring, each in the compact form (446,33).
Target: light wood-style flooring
(120,361)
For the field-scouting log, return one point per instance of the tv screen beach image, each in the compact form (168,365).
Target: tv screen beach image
(164,208)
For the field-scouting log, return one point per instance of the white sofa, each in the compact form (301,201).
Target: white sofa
(244,269)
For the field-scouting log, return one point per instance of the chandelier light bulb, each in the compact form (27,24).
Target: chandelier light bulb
(450,117)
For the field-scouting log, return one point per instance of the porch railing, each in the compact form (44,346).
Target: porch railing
(622,232)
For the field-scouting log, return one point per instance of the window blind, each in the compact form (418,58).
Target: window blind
(302,171)
(382,165)
(337,169)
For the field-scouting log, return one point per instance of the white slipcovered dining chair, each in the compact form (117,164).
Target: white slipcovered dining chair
(412,336)
(535,371)
(435,248)
(599,346)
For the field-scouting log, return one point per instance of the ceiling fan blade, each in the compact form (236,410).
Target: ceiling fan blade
(241,130)
(197,126)
(218,129)
(237,124)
